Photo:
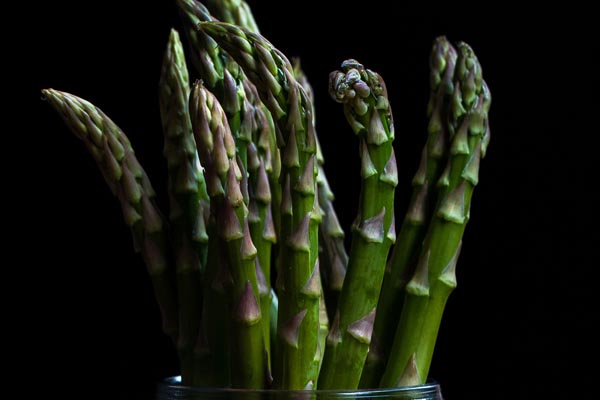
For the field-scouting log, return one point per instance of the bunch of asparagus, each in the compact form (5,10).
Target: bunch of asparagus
(250,272)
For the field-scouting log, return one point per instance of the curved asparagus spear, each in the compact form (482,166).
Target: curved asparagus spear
(401,264)
(272,74)
(434,278)
(225,178)
(368,111)
(127,180)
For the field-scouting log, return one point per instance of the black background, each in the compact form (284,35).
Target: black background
(519,324)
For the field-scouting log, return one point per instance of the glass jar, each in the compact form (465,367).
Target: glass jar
(171,389)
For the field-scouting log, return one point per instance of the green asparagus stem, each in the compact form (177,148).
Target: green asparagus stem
(434,277)
(225,178)
(114,155)
(235,12)
(262,231)
(188,199)
(323,328)
(368,111)
(334,258)
(212,353)
(272,74)
(401,264)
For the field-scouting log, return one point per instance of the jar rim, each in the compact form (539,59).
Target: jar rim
(431,387)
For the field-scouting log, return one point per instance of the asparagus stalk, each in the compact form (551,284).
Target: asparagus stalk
(401,264)
(434,277)
(334,258)
(188,199)
(227,188)
(272,74)
(126,178)
(262,231)
(367,109)
(265,143)
(246,116)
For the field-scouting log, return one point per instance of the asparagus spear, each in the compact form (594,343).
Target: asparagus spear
(188,199)
(334,258)
(434,277)
(246,116)
(262,231)
(298,315)
(225,180)
(401,264)
(367,109)
(127,180)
